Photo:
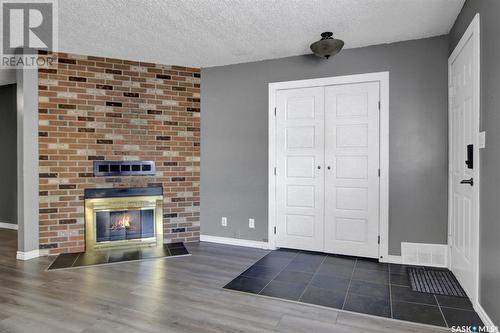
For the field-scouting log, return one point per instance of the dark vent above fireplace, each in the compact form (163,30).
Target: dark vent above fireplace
(124,168)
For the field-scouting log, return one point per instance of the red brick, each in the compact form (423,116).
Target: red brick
(61,141)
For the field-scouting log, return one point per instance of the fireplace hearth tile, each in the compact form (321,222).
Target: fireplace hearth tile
(179,251)
(91,258)
(154,252)
(113,256)
(126,255)
(65,260)
(175,245)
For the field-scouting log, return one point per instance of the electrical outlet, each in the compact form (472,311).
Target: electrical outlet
(251,223)
(224,221)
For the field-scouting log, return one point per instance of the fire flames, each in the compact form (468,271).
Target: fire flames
(122,222)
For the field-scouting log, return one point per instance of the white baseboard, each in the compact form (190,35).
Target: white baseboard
(234,241)
(392,259)
(11,226)
(485,318)
(27,255)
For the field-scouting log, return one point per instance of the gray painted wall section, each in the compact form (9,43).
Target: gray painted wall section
(7,76)
(234,130)
(27,160)
(489,230)
(8,151)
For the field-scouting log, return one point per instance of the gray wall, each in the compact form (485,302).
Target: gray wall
(234,143)
(489,265)
(8,151)
(27,161)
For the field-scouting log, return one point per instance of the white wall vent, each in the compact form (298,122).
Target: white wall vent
(424,254)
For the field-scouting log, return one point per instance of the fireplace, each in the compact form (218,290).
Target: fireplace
(123,217)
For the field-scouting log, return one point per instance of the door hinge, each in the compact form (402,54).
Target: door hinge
(379,172)
(275,171)
(275,230)
(379,105)
(275,111)
(378,240)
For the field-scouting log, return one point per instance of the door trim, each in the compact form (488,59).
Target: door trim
(383,79)
(473,31)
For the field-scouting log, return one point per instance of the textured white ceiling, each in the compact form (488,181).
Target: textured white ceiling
(204,33)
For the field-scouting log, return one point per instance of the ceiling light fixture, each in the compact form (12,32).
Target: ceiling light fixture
(327,46)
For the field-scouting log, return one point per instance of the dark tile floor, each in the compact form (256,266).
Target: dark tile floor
(353,284)
(101,257)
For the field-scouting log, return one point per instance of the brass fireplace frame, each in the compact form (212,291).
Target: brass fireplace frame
(93,205)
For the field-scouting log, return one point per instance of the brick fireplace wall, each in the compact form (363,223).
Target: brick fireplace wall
(93,108)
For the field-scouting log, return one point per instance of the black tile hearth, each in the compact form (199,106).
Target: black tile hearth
(86,259)
(175,245)
(154,252)
(65,261)
(110,256)
(177,251)
(123,255)
(352,284)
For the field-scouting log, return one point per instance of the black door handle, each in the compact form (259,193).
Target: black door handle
(468,181)
(470,156)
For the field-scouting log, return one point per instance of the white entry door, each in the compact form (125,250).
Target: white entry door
(300,173)
(327,161)
(352,160)
(464,168)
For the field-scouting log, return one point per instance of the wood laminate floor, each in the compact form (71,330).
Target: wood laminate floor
(181,294)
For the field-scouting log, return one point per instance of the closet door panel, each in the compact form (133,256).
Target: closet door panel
(352,160)
(300,171)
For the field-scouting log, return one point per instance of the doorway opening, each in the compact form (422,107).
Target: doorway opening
(8,170)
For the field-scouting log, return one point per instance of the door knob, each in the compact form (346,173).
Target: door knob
(319,167)
(328,167)
(468,181)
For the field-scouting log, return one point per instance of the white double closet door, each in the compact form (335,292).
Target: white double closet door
(327,189)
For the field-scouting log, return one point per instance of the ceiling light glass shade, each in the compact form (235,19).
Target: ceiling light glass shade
(327,46)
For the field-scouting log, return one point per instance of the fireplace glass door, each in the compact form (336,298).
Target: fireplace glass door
(123,225)
(123,221)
